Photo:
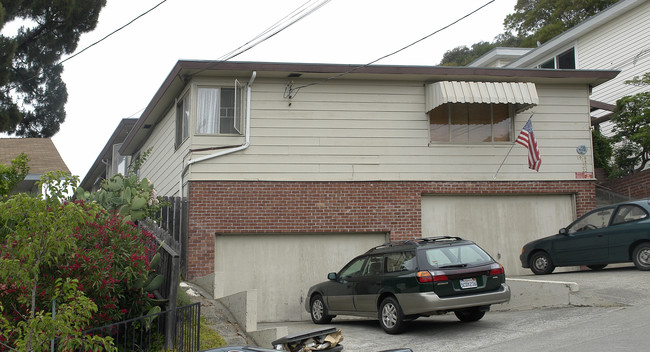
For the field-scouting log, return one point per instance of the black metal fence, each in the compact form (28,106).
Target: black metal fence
(150,332)
(170,229)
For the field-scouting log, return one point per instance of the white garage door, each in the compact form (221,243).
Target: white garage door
(282,267)
(499,224)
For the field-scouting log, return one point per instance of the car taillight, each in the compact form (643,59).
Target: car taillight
(426,276)
(497,269)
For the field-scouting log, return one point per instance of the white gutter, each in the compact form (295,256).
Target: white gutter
(225,151)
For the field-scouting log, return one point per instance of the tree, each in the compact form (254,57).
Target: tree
(462,55)
(541,20)
(533,21)
(11,175)
(602,151)
(632,129)
(95,268)
(32,93)
(37,233)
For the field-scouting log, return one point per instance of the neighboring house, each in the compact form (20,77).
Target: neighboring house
(290,170)
(109,162)
(43,157)
(617,38)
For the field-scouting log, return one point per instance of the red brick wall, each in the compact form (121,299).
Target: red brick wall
(636,185)
(326,207)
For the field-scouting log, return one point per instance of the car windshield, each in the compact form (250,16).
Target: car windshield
(456,256)
(595,220)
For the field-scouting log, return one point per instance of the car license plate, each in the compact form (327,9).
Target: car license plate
(468,283)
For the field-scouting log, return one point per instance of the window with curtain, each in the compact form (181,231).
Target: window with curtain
(218,111)
(470,123)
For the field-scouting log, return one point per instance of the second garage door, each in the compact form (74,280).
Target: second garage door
(499,224)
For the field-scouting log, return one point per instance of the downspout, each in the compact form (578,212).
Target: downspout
(225,151)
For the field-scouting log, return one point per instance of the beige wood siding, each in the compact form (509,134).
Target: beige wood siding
(622,44)
(163,166)
(378,130)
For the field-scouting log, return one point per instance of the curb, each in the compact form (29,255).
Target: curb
(530,294)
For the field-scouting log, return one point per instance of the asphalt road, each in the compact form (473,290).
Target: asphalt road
(619,323)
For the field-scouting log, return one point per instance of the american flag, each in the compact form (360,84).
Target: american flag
(527,139)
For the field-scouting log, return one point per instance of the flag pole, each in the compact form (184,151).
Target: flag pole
(506,157)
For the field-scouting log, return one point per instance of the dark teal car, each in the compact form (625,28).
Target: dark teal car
(616,233)
(401,281)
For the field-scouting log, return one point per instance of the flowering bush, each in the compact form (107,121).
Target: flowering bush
(44,244)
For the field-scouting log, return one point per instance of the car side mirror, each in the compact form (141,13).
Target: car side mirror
(331,276)
(563,231)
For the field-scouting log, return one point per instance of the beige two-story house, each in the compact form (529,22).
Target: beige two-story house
(292,169)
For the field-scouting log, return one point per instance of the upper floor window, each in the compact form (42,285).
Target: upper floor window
(182,119)
(218,110)
(565,60)
(120,163)
(470,123)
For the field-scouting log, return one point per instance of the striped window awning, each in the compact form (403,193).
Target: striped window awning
(523,94)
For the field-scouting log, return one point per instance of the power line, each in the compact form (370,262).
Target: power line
(93,44)
(293,91)
(113,32)
(296,15)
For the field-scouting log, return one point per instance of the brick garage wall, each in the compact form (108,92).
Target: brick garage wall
(635,186)
(327,207)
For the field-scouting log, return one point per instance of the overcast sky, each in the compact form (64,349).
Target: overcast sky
(118,77)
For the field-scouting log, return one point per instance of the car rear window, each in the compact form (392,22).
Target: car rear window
(453,256)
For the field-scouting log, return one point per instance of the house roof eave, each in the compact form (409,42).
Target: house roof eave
(125,126)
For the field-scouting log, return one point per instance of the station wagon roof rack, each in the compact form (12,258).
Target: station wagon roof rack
(417,242)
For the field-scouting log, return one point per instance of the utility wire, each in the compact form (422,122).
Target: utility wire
(113,32)
(93,44)
(296,15)
(294,91)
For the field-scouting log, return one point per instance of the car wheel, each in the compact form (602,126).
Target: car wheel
(641,256)
(469,315)
(319,311)
(541,264)
(597,266)
(391,317)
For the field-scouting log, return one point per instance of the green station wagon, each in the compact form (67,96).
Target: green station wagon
(401,281)
(616,233)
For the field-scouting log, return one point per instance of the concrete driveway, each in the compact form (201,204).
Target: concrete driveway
(607,290)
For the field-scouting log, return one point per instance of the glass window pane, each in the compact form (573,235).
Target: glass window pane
(548,64)
(207,110)
(227,111)
(459,123)
(375,266)
(186,116)
(501,123)
(401,261)
(567,60)
(628,213)
(594,220)
(353,269)
(480,129)
(456,255)
(439,124)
